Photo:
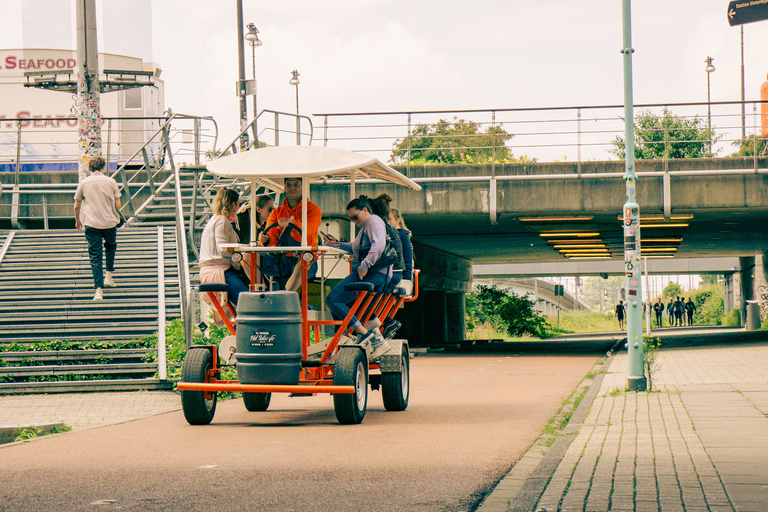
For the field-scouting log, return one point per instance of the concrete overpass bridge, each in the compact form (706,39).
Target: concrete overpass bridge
(698,215)
(532,214)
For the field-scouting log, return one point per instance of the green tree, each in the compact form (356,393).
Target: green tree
(453,142)
(669,136)
(504,310)
(671,290)
(747,146)
(708,279)
(520,318)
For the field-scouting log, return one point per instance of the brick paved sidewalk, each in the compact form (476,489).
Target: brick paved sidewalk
(698,443)
(85,410)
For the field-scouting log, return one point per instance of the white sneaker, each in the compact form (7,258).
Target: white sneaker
(379,345)
(109,282)
(99,294)
(373,324)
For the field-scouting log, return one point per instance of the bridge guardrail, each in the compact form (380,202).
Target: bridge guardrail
(569,134)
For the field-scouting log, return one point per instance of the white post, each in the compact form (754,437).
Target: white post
(304,201)
(161,364)
(647,300)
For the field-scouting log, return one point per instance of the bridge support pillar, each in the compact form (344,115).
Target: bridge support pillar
(425,321)
(747,280)
(729,295)
(455,308)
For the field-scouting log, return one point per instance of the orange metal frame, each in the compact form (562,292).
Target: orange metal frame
(312,380)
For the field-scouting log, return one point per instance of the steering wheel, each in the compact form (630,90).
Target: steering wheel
(285,239)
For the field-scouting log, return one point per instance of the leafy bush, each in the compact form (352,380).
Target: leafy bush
(503,310)
(176,346)
(733,318)
(709,305)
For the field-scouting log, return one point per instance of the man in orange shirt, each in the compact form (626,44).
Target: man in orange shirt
(289,213)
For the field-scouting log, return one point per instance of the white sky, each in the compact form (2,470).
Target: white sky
(371,55)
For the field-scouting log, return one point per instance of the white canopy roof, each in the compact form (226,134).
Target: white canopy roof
(270,166)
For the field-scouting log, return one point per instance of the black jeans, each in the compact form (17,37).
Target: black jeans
(95,251)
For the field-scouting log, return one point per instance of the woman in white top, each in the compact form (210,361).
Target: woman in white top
(217,266)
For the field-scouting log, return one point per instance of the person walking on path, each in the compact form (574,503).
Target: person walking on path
(98,199)
(678,309)
(658,308)
(690,308)
(671,312)
(620,314)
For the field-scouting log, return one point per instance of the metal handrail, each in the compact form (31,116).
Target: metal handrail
(182,256)
(6,245)
(233,145)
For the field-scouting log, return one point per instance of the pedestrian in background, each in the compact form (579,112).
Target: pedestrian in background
(658,308)
(678,309)
(98,199)
(620,313)
(690,308)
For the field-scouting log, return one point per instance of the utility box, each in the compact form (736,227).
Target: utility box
(753,315)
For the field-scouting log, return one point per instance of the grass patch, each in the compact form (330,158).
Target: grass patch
(617,391)
(584,321)
(34,432)
(553,428)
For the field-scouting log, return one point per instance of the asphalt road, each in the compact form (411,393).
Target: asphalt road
(471,417)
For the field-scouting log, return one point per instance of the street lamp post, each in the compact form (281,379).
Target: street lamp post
(636,380)
(241,78)
(710,68)
(253,38)
(295,81)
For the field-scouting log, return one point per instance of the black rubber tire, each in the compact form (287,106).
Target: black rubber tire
(257,402)
(351,369)
(396,387)
(197,410)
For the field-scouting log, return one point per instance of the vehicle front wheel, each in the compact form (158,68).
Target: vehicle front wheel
(198,408)
(351,369)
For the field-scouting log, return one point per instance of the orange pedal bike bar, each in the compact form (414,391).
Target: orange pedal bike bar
(264,388)
(222,313)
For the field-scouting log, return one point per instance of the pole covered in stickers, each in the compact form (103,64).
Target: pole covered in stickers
(88,103)
(631,213)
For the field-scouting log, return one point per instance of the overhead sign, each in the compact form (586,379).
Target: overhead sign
(747,11)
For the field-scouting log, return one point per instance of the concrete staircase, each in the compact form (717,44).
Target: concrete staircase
(46,294)
(46,287)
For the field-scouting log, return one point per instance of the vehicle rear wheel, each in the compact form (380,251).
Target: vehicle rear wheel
(396,387)
(198,409)
(257,402)
(351,369)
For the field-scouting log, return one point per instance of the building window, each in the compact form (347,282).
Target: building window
(133,98)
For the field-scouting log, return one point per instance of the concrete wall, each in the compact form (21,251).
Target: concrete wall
(438,316)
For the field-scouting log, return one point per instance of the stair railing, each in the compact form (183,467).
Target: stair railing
(182,250)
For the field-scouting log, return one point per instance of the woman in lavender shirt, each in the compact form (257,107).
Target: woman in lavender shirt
(366,249)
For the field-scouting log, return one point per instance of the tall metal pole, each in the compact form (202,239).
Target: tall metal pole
(241,77)
(255,111)
(88,101)
(253,38)
(636,379)
(743,115)
(295,81)
(298,120)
